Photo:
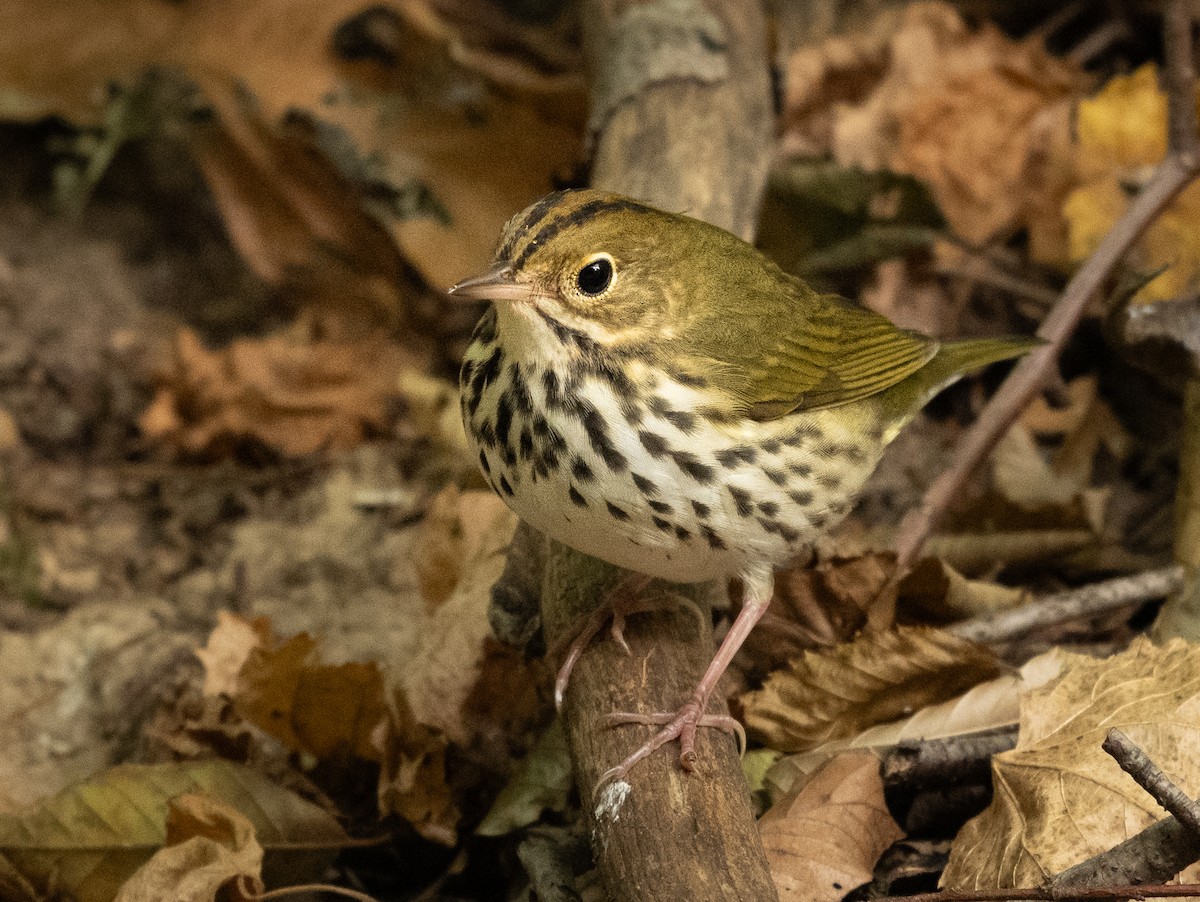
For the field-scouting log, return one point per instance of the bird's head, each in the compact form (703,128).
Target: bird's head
(601,264)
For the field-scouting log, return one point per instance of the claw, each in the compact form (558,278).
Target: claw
(757,587)
(681,725)
(623,601)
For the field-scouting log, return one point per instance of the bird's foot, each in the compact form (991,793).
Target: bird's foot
(681,725)
(627,599)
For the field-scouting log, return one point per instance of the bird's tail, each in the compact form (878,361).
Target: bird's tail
(953,360)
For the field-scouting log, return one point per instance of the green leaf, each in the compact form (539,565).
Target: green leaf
(90,838)
(543,781)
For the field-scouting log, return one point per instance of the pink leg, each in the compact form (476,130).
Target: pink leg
(627,598)
(682,725)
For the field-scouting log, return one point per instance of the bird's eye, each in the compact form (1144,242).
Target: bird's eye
(596,276)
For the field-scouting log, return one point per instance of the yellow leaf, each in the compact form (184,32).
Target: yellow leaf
(1121,137)
(1123,126)
(1060,799)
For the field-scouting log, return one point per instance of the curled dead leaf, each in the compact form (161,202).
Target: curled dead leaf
(823,840)
(836,693)
(211,852)
(983,119)
(822,604)
(988,706)
(940,592)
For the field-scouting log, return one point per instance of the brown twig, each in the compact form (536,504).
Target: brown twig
(1057,894)
(1076,604)
(1135,762)
(914,766)
(1173,174)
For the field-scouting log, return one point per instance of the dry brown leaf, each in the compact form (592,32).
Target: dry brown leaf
(877,677)
(460,679)
(10,435)
(412,779)
(940,592)
(481,170)
(823,841)
(339,711)
(822,604)
(228,647)
(297,221)
(1060,799)
(322,709)
(982,119)
(455,529)
(483,158)
(293,395)
(988,706)
(211,849)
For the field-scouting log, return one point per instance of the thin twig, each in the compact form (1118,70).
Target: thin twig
(1076,604)
(984,273)
(1058,894)
(1173,174)
(1179,78)
(1135,762)
(915,765)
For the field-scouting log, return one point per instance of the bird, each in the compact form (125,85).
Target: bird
(653,391)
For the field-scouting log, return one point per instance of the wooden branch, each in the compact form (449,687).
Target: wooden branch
(1115,893)
(695,141)
(1135,762)
(1173,174)
(1076,604)
(1180,615)
(917,765)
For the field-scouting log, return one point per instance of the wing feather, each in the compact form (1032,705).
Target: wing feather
(797,350)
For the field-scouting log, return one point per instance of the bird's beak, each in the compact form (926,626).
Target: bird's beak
(497,284)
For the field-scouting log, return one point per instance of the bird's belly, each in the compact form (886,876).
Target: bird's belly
(635,476)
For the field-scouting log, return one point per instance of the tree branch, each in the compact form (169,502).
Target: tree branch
(1135,762)
(1076,604)
(687,129)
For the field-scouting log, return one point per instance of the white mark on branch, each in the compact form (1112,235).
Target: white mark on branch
(608,810)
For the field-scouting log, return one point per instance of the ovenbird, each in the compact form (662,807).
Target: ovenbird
(651,390)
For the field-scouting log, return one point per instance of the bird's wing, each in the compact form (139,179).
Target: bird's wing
(797,350)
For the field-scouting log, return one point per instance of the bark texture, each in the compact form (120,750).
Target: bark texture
(682,118)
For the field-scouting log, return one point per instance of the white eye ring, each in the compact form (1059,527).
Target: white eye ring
(597,275)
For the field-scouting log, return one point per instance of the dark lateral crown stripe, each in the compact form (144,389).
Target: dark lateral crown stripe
(533,216)
(568,220)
